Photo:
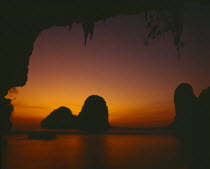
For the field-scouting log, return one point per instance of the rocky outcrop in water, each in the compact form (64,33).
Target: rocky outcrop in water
(186,107)
(94,114)
(61,118)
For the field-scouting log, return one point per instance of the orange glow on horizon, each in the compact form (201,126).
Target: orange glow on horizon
(34,110)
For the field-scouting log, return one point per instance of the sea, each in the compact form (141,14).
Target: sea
(118,149)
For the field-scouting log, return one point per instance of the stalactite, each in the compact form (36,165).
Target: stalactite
(88,29)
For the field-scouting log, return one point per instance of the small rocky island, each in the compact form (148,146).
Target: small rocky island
(94,114)
(61,118)
(42,135)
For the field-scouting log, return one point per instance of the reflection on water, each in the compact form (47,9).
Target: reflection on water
(94,152)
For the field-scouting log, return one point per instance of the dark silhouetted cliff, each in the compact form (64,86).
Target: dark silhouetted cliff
(204,109)
(202,134)
(192,123)
(61,118)
(186,107)
(94,114)
(6,109)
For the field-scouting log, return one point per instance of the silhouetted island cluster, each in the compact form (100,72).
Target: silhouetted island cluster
(93,116)
(192,123)
(192,113)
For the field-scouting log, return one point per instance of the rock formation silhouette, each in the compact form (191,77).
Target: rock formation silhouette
(202,131)
(61,118)
(186,107)
(5,111)
(192,123)
(204,109)
(94,114)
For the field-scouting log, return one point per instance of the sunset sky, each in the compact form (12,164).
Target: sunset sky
(137,81)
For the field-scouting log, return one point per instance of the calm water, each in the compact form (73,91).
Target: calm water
(93,152)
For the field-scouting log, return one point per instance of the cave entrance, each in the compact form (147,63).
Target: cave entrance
(115,65)
(137,81)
